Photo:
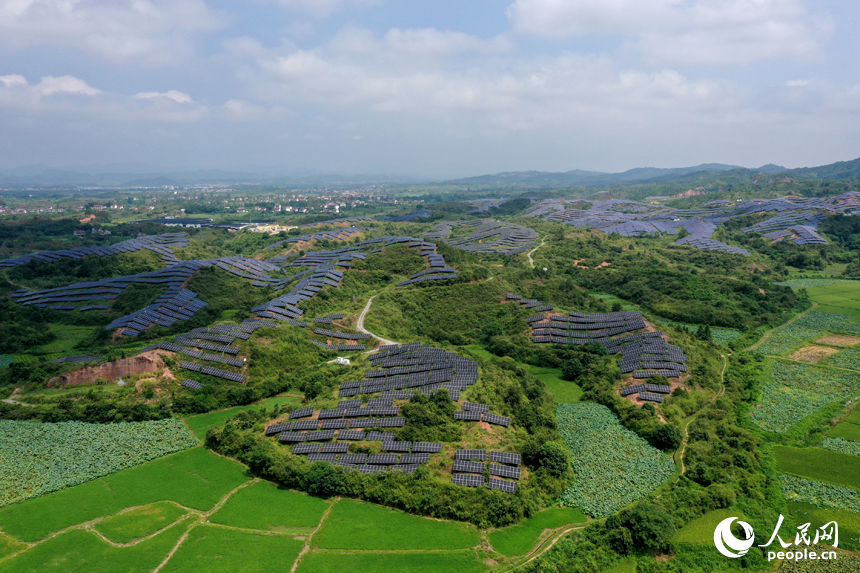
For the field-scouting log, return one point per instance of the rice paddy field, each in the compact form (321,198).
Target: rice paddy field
(839,298)
(563,391)
(519,539)
(849,428)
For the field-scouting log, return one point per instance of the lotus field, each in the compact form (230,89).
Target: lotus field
(829,321)
(38,458)
(613,466)
(848,358)
(841,445)
(797,390)
(788,338)
(820,494)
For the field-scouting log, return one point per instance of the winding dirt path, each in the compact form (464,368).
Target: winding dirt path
(768,334)
(529,255)
(359,325)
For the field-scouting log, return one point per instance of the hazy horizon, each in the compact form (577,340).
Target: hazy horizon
(432,90)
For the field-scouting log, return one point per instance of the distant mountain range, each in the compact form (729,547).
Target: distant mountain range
(137,176)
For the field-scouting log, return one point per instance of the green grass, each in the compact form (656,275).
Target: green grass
(627,565)
(140,522)
(841,298)
(520,539)
(216,549)
(201,423)
(849,522)
(194,478)
(67,337)
(358,525)
(701,529)
(83,552)
(563,391)
(267,507)
(8,546)
(374,562)
(845,430)
(478,350)
(819,465)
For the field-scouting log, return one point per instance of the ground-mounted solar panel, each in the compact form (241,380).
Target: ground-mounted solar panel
(306,425)
(292,436)
(475,407)
(469,467)
(429,447)
(352,435)
(334,448)
(380,402)
(470,455)
(650,397)
(504,471)
(331,458)
(390,422)
(301,413)
(497,420)
(506,458)
(278,428)
(343,404)
(320,435)
(337,424)
(382,459)
(352,458)
(304,449)
(502,485)
(468,480)
(393,446)
(370,469)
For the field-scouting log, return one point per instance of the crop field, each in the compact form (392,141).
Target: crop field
(820,494)
(358,525)
(140,522)
(849,428)
(520,539)
(701,529)
(613,466)
(849,521)
(195,478)
(220,550)
(392,561)
(720,334)
(50,457)
(794,391)
(201,423)
(841,298)
(788,338)
(841,340)
(812,353)
(842,446)
(265,507)
(846,563)
(563,391)
(833,322)
(820,465)
(847,358)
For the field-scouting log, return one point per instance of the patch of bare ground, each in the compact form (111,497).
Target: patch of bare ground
(812,353)
(838,340)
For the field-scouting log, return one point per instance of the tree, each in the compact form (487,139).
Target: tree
(667,437)
(323,479)
(553,456)
(572,369)
(649,525)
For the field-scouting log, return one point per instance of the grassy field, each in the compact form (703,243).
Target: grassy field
(849,428)
(8,546)
(140,522)
(841,298)
(194,478)
(849,522)
(520,539)
(82,551)
(201,423)
(219,550)
(701,530)
(266,507)
(389,562)
(563,391)
(820,465)
(358,525)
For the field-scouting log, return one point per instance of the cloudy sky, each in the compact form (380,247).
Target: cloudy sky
(429,88)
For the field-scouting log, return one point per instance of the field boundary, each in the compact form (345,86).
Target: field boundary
(307,547)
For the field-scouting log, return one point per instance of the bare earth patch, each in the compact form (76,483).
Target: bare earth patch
(838,340)
(812,353)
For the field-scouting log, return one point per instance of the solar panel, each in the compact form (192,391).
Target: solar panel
(306,425)
(502,485)
(472,416)
(333,424)
(302,449)
(468,480)
(292,437)
(469,467)
(414,458)
(429,447)
(470,455)
(301,413)
(382,459)
(352,458)
(193,384)
(320,435)
(506,458)
(393,446)
(278,428)
(504,471)
(497,420)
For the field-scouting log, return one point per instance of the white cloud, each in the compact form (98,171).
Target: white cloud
(324,8)
(177,96)
(679,33)
(157,32)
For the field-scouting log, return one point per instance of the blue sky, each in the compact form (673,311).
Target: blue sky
(441,88)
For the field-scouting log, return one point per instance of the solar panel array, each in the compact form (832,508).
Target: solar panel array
(160,244)
(416,368)
(193,384)
(488,236)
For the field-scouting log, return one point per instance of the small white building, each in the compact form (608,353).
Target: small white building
(343,361)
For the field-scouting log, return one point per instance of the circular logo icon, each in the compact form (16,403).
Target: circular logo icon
(728,544)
